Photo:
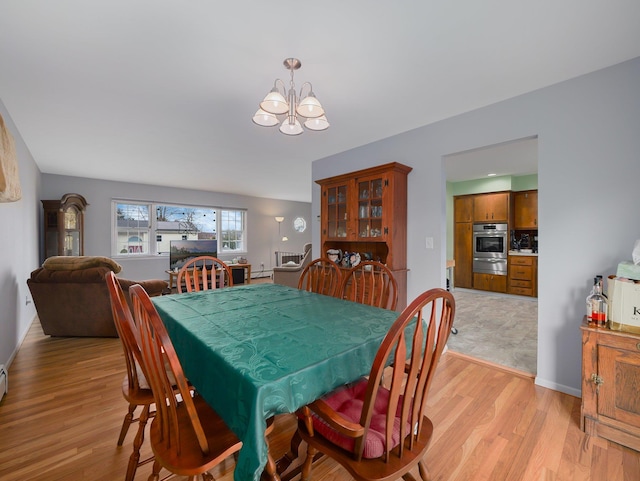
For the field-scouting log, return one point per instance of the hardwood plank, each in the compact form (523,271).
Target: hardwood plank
(61,418)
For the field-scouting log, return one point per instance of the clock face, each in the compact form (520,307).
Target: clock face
(299,224)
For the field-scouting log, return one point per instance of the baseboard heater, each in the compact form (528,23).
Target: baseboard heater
(4,384)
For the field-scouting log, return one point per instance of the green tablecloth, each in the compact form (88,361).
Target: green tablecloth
(263,349)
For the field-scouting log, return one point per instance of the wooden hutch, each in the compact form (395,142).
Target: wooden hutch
(366,212)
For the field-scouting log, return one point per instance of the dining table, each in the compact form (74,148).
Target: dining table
(259,350)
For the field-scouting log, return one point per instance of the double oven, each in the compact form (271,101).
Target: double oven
(490,246)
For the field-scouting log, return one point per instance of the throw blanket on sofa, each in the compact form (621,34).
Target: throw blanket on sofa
(73,263)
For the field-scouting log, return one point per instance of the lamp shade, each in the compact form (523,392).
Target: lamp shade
(310,107)
(274,103)
(279,218)
(294,128)
(265,119)
(319,123)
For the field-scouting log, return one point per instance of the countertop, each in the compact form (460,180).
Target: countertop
(520,253)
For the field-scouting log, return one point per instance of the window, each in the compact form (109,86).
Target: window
(232,232)
(136,224)
(132,229)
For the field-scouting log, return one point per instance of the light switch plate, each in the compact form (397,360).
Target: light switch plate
(429,243)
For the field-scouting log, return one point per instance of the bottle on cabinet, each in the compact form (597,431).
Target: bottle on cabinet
(597,305)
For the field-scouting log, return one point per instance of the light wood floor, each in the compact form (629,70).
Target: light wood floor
(61,418)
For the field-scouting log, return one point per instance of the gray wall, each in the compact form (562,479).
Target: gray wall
(588,170)
(18,250)
(262,228)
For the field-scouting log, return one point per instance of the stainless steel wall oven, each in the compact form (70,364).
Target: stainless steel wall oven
(490,246)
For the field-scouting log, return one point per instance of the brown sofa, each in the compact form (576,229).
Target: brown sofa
(71,296)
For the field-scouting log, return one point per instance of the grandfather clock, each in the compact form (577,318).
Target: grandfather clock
(64,226)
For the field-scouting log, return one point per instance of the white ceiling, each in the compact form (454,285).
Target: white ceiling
(519,157)
(162,92)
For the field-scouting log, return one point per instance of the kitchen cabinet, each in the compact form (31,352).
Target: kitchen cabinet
(366,212)
(463,208)
(64,226)
(610,378)
(490,282)
(463,241)
(523,275)
(525,210)
(492,207)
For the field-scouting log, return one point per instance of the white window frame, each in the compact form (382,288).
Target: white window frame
(145,230)
(151,230)
(224,218)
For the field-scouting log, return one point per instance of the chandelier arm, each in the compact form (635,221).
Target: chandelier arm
(302,89)
(281,86)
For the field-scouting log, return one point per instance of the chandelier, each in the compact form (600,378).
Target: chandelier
(287,105)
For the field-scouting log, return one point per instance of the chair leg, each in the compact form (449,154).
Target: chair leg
(306,467)
(134,459)
(155,473)
(128,419)
(285,461)
(270,472)
(424,472)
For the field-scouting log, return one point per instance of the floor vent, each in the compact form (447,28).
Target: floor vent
(4,384)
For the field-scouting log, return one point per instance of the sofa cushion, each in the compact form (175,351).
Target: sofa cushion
(72,263)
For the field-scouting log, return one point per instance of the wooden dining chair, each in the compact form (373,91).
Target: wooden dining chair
(322,276)
(188,437)
(135,387)
(204,273)
(372,283)
(376,430)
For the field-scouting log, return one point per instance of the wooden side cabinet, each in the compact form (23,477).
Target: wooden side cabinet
(610,380)
(64,226)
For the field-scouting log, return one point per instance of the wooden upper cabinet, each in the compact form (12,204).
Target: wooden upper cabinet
(491,207)
(525,210)
(463,208)
(366,212)
(335,216)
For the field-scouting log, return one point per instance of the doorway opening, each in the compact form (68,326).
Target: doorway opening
(493,323)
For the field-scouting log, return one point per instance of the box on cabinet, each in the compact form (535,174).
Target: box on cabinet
(624,304)
(628,270)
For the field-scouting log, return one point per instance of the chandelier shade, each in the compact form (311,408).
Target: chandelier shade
(319,123)
(310,107)
(274,103)
(265,119)
(280,105)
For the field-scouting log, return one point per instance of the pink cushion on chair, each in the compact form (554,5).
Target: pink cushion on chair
(348,401)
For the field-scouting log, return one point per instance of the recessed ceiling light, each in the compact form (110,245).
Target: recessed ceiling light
(491,175)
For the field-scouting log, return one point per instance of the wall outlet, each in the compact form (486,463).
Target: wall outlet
(262,265)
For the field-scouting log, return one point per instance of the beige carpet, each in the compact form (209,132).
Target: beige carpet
(497,328)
